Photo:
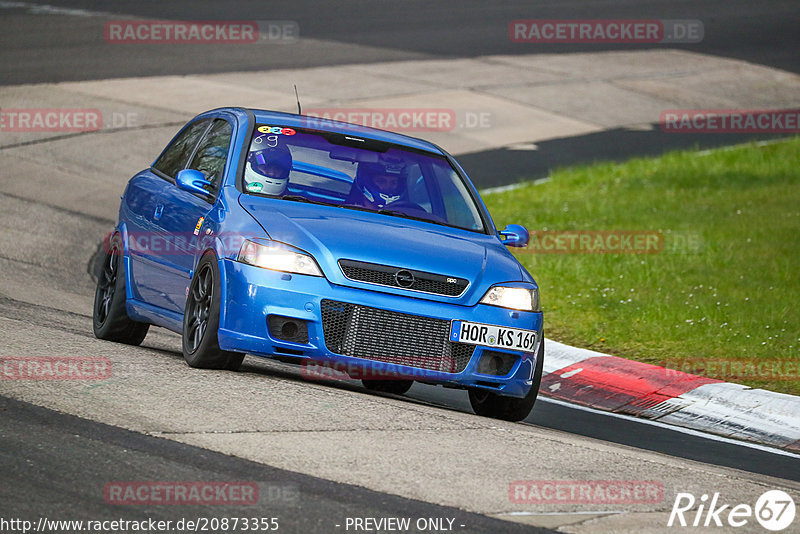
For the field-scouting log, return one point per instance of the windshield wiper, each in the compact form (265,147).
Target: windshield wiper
(394,213)
(382,211)
(300,198)
(404,215)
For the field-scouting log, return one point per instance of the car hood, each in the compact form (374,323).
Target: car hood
(331,233)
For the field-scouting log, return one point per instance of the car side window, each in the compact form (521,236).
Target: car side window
(454,194)
(212,153)
(175,156)
(417,188)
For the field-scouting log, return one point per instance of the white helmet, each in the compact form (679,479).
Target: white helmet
(267,169)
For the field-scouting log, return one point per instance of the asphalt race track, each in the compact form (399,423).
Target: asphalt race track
(67,445)
(62,41)
(320,452)
(363,31)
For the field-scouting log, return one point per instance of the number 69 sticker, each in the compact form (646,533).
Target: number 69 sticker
(270,140)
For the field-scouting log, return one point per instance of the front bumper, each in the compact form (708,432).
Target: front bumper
(253,294)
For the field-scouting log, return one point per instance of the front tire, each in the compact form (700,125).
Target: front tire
(110,320)
(201,320)
(488,404)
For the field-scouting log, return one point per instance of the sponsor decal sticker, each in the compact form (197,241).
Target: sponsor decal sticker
(277,130)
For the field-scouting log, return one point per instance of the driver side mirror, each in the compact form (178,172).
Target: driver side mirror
(193,181)
(514,235)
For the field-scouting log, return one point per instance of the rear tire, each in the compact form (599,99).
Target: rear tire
(110,320)
(488,404)
(201,320)
(398,387)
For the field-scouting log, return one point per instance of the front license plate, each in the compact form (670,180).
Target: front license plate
(492,336)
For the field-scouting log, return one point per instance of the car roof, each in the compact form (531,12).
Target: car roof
(292,120)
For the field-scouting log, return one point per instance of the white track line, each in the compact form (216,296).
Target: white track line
(45,9)
(683,430)
(581,512)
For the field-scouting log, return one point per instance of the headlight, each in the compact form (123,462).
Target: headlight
(516,298)
(277,258)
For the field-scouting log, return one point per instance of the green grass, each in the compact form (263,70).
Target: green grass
(732,295)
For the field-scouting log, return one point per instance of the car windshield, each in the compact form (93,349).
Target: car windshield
(357,173)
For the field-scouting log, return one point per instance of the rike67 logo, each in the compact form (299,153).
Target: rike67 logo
(774,510)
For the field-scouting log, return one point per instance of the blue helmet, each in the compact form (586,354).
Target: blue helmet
(380,183)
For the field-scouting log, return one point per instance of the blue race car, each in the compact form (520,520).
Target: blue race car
(328,244)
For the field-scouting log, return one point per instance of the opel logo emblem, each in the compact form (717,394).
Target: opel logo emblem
(404,278)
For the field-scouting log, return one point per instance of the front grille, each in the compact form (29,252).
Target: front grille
(392,337)
(384,275)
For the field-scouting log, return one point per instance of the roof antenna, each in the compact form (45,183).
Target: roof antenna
(299,111)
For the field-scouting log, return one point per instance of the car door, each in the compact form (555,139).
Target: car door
(142,210)
(189,218)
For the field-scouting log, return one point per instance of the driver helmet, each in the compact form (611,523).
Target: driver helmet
(268,167)
(381,184)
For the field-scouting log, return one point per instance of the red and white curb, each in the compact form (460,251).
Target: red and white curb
(614,384)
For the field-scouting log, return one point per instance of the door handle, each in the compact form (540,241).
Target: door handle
(158,212)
